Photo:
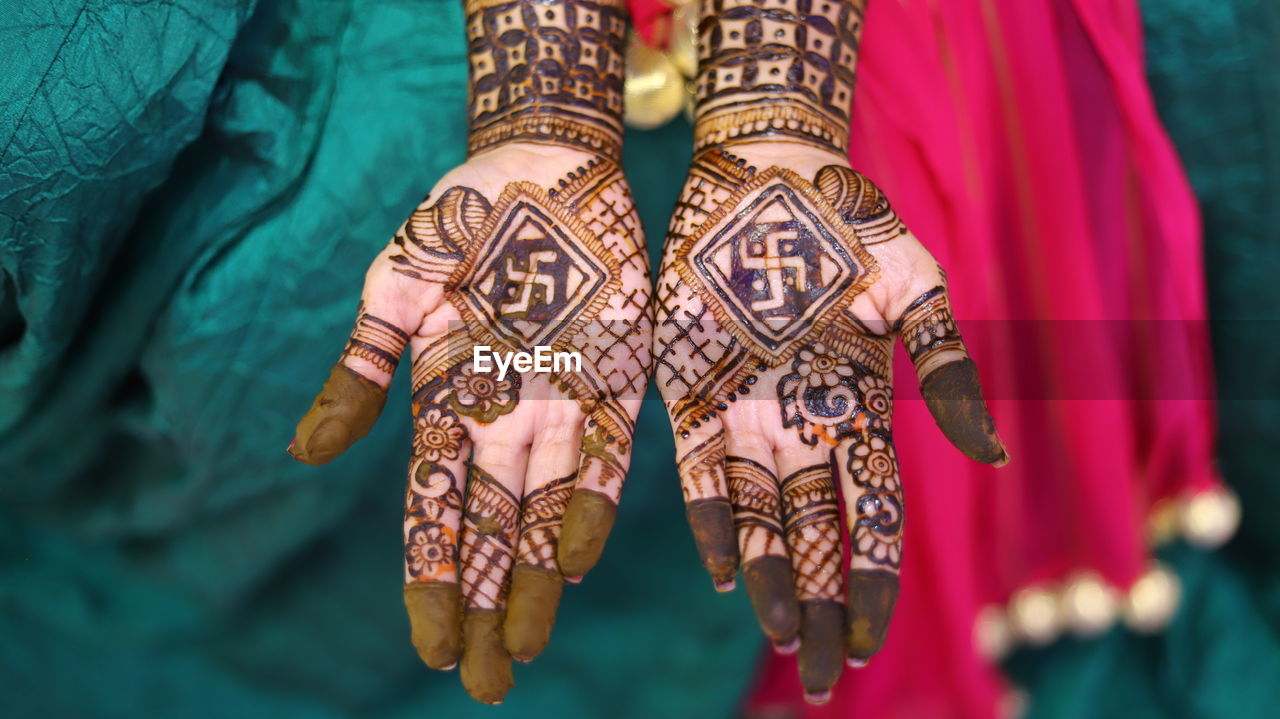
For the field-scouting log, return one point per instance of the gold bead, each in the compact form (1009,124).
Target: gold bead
(992,635)
(1211,518)
(1089,605)
(1034,615)
(1152,600)
(653,89)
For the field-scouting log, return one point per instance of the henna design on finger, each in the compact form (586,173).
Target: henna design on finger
(488,540)
(877,524)
(929,333)
(757,508)
(431,543)
(811,518)
(377,341)
(546,71)
(541,514)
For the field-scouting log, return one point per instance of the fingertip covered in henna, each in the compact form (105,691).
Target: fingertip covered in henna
(486,665)
(711,521)
(954,397)
(872,595)
(434,622)
(343,412)
(771,587)
(822,652)
(587,522)
(531,610)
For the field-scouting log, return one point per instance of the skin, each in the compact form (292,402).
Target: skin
(513,483)
(785,281)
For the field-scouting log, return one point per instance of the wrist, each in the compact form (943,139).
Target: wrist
(547,72)
(781,70)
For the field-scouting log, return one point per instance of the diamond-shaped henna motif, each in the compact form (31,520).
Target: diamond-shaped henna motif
(538,272)
(780,267)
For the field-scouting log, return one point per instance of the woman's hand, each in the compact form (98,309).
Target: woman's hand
(786,278)
(513,479)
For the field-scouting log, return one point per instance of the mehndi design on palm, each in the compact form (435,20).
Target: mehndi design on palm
(534,242)
(774,340)
(513,481)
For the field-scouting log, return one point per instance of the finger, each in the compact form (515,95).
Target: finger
(355,392)
(811,521)
(433,515)
(948,378)
(700,462)
(536,582)
(489,527)
(402,286)
(605,456)
(757,514)
(872,491)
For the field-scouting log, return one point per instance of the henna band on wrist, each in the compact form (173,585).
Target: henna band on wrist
(782,69)
(546,72)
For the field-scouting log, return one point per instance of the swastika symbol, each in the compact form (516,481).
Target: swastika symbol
(774,265)
(529,278)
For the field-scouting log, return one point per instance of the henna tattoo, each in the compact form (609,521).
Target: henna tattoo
(929,332)
(488,540)
(782,69)
(546,71)
(877,528)
(860,203)
(768,260)
(565,267)
(700,468)
(757,509)
(541,514)
(811,519)
(376,341)
(431,543)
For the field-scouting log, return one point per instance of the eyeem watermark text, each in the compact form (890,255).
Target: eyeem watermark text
(541,359)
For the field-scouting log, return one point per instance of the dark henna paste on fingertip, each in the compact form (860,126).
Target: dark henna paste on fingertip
(954,397)
(872,595)
(435,622)
(771,586)
(343,412)
(712,523)
(821,655)
(486,665)
(587,523)
(531,610)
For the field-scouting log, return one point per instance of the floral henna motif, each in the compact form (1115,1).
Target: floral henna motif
(877,528)
(431,544)
(546,71)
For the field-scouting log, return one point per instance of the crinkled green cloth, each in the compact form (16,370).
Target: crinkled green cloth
(191,192)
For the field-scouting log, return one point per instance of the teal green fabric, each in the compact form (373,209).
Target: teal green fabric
(1215,71)
(191,191)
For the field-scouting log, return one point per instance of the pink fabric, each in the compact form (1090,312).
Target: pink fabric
(1019,141)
